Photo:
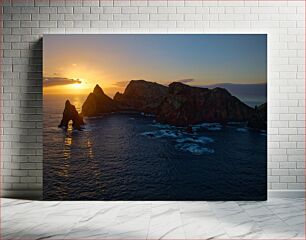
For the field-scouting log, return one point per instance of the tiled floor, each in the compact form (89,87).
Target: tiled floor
(274,219)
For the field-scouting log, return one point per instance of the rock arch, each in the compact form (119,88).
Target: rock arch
(70,113)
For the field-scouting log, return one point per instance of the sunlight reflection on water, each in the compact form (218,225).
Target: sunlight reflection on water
(68,141)
(90,151)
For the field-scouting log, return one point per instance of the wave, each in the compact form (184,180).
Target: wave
(162,126)
(186,142)
(162,133)
(194,148)
(208,126)
(202,140)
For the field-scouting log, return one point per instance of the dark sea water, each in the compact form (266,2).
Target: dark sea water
(133,157)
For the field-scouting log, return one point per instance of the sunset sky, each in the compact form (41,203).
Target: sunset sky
(76,63)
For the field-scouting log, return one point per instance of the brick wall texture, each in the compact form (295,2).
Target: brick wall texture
(25,22)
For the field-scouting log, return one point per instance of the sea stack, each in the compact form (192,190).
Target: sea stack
(70,113)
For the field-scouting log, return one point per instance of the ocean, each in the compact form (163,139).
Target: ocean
(129,156)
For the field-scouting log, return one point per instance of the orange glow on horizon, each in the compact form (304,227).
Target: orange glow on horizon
(89,76)
(83,88)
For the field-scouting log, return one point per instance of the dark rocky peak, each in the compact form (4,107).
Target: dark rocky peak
(181,88)
(178,86)
(142,87)
(71,114)
(117,96)
(219,90)
(98,103)
(133,84)
(141,95)
(98,90)
(139,82)
(68,104)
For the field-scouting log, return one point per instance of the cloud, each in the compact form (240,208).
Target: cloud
(187,80)
(55,81)
(121,84)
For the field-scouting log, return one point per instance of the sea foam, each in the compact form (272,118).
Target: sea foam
(162,126)
(194,148)
(162,133)
(202,140)
(208,126)
(186,142)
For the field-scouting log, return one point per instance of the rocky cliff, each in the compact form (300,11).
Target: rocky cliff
(258,118)
(178,104)
(98,103)
(70,113)
(185,105)
(142,96)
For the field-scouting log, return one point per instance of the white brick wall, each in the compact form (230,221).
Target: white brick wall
(24,22)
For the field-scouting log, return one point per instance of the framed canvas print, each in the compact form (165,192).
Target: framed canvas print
(155,117)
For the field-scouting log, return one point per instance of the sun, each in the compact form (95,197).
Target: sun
(77,85)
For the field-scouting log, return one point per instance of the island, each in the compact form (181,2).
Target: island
(178,104)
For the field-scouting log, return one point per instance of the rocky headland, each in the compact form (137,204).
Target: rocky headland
(185,105)
(178,104)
